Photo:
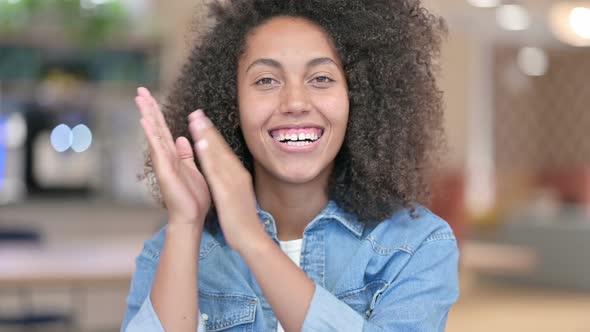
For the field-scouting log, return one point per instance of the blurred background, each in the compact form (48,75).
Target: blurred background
(514,185)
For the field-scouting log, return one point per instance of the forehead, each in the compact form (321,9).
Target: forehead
(288,38)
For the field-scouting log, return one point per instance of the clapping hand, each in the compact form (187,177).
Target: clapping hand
(182,185)
(230,182)
(186,192)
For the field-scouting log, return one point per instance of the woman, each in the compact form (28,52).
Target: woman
(294,192)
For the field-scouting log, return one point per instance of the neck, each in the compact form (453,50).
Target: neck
(292,205)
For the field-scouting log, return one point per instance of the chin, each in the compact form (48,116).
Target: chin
(297,178)
(297,175)
(297,172)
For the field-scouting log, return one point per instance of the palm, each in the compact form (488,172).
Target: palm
(182,185)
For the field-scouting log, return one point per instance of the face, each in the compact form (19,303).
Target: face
(292,99)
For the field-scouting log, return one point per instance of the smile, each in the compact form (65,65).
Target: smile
(297,140)
(298,136)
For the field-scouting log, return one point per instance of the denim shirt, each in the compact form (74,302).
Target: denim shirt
(398,276)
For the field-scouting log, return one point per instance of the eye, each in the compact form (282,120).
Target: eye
(322,79)
(265,81)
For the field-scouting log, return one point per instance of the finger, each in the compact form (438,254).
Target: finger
(201,128)
(185,152)
(154,142)
(154,108)
(190,173)
(213,153)
(197,186)
(209,144)
(146,114)
(157,113)
(144,109)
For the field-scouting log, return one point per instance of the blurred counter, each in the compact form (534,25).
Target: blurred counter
(71,219)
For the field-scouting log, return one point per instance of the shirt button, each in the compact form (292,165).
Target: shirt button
(204,316)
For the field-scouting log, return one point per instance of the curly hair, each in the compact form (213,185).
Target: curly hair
(389,51)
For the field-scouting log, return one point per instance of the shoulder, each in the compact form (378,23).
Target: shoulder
(408,229)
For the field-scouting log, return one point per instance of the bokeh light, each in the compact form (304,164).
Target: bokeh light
(570,22)
(484,3)
(513,17)
(16,130)
(2,151)
(61,138)
(532,61)
(81,138)
(580,21)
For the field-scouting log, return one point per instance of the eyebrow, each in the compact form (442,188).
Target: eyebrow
(276,64)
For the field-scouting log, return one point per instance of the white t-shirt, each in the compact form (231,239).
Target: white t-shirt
(293,249)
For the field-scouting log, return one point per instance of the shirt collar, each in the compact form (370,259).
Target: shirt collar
(331,211)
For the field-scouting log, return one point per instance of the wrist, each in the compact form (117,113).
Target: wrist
(255,241)
(180,219)
(175,227)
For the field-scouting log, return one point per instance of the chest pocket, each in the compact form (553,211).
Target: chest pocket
(363,299)
(226,312)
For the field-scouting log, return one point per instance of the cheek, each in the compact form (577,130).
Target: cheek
(335,109)
(254,112)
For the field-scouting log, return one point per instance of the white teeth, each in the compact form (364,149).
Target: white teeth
(295,138)
(297,143)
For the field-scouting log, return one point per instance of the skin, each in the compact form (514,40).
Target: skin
(292,188)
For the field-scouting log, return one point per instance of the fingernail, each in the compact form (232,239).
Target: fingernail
(203,123)
(142,90)
(195,115)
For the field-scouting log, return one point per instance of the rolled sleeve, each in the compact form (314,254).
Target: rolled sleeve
(327,313)
(146,319)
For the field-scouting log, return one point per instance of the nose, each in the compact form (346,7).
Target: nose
(295,100)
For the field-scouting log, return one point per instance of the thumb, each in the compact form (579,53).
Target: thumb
(185,152)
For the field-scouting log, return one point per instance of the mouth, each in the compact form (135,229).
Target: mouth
(297,136)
